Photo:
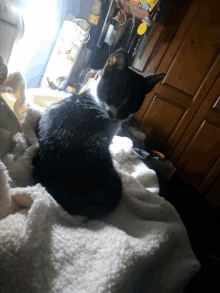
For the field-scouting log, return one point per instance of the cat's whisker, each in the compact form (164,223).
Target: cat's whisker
(94,106)
(98,109)
(98,116)
(104,116)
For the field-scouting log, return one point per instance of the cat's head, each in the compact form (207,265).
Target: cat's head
(121,90)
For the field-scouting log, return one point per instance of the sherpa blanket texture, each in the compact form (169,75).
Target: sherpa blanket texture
(142,246)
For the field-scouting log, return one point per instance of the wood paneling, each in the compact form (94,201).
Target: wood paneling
(200,155)
(216,105)
(200,144)
(197,51)
(157,111)
(174,95)
(183,112)
(202,114)
(179,36)
(172,150)
(179,70)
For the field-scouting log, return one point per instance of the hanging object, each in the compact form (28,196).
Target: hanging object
(94,19)
(125,38)
(135,2)
(95,12)
(145,5)
(148,4)
(138,43)
(112,29)
(142,28)
(119,20)
(143,34)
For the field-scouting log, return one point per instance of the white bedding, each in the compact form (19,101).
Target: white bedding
(142,246)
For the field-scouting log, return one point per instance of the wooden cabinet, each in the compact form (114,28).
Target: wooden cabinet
(183,112)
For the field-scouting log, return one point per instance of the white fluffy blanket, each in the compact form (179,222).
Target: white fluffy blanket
(142,246)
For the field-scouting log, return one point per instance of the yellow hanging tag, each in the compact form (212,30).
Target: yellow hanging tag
(149,4)
(94,19)
(142,28)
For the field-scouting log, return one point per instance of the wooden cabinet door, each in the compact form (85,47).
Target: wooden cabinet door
(192,63)
(198,151)
(183,112)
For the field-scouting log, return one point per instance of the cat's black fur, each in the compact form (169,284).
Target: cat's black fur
(73,161)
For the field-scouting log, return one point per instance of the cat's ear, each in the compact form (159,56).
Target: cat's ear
(118,61)
(150,81)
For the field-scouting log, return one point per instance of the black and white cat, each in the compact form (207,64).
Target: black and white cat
(73,160)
